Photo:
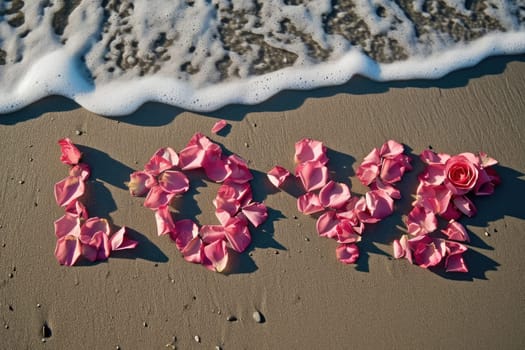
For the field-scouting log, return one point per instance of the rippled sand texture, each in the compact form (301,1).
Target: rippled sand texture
(205,42)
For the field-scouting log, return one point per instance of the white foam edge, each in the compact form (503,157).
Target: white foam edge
(58,74)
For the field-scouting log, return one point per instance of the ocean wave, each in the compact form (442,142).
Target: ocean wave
(111,56)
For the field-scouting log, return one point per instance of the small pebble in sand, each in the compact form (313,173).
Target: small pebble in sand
(487,233)
(31,159)
(257,317)
(231,318)
(10,275)
(246,145)
(43,340)
(6,326)
(38,306)
(78,132)
(46,331)
(197,339)
(307,239)
(276,252)
(218,347)
(117,347)
(21,182)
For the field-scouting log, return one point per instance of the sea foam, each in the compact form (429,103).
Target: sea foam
(112,56)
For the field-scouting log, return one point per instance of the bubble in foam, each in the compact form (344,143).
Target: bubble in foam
(113,56)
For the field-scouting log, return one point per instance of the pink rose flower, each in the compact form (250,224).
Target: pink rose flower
(461,174)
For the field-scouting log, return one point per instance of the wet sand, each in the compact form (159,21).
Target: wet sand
(151,298)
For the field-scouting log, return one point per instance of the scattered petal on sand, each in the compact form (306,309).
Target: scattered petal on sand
(218,126)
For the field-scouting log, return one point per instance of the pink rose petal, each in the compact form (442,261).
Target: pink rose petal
(185,231)
(387,188)
(431,157)
(67,225)
(119,241)
(77,209)
(68,190)
(140,182)
(433,174)
(164,220)
(277,175)
(309,203)
(256,213)
(347,233)
(81,170)
(421,221)
(192,251)
(237,234)
(70,153)
(399,250)
(379,204)
(68,250)
(347,253)
(217,170)
(239,170)
(242,193)
(465,205)
(391,149)
(218,126)
(223,216)
(454,261)
(91,227)
(163,159)
(368,170)
(157,197)
(486,161)
(427,251)
(212,233)
(334,195)
(393,169)
(402,249)
(455,231)
(313,175)
(307,150)
(172,181)
(327,224)
(217,255)
(192,157)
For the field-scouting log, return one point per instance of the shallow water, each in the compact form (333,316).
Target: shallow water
(111,56)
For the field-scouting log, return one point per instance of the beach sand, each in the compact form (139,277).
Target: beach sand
(151,298)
